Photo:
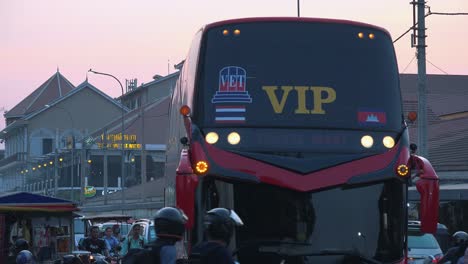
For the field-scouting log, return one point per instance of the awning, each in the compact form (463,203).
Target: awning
(29,202)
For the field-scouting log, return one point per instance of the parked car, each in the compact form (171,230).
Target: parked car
(421,245)
(147,229)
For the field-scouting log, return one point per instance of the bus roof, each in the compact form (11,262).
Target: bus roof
(293,19)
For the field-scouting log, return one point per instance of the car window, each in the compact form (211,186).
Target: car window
(152,234)
(78,225)
(421,240)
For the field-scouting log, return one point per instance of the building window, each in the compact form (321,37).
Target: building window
(46,146)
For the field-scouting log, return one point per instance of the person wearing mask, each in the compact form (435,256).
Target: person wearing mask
(456,253)
(169,224)
(219,227)
(94,244)
(111,241)
(134,242)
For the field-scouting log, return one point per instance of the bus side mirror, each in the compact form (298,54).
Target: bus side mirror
(428,188)
(186,184)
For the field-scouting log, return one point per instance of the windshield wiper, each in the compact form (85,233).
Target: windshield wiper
(302,250)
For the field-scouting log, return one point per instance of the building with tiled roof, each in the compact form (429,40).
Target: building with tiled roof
(55,87)
(40,127)
(447,109)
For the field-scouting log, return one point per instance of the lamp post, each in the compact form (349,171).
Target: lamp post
(122,168)
(72,157)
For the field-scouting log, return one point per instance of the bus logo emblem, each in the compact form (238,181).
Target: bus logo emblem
(232,91)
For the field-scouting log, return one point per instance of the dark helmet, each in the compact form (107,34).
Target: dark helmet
(24,257)
(220,222)
(460,237)
(21,244)
(170,222)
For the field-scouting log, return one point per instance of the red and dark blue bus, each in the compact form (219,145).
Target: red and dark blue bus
(297,124)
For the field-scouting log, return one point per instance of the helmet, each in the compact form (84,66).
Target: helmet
(21,244)
(170,222)
(24,257)
(460,237)
(219,223)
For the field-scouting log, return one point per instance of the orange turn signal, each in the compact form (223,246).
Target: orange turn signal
(201,167)
(185,110)
(402,170)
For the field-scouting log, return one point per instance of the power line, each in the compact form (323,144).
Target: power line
(409,64)
(428,14)
(437,67)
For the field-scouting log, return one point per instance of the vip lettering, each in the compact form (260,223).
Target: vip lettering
(321,95)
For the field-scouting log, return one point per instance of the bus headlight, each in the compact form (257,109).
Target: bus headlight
(233,138)
(211,137)
(367,141)
(388,142)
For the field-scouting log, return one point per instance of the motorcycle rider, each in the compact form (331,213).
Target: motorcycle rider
(94,244)
(455,253)
(219,227)
(22,253)
(169,224)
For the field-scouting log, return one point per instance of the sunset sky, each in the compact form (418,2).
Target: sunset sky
(137,38)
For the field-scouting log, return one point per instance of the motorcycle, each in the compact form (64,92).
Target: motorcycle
(84,257)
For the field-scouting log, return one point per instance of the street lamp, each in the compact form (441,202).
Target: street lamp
(122,130)
(72,156)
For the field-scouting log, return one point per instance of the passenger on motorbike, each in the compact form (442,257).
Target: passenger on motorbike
(111,241)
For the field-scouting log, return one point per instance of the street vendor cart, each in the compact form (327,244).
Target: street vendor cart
(45,222)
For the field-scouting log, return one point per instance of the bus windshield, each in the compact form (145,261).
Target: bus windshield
(367,219)
(290,74)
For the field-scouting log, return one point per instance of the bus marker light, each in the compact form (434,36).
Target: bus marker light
(371,36)
(212,137)
(233,138)
(360,35)
(388,142)
(185,110)
(367,141)
(402,170)
(225,32)
(236,32)
(201,167)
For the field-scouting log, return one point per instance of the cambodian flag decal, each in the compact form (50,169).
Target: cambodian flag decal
(232,95)
(372,117)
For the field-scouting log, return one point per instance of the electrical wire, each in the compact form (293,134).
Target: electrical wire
(437,67)
(428,14)
(414,57)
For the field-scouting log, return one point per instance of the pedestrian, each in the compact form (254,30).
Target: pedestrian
(169,225)
(219,227)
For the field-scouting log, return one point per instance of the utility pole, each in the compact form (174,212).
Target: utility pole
(298,9)
(421,56)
